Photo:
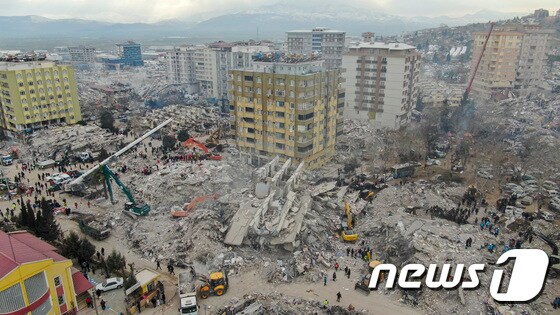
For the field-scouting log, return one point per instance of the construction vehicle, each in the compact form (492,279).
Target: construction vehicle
(471,80)
(132,205)
(187,208)
(554,264)
(187,294)
(216,284)
(347,223)
(95,233)
(192,144)
(213,139)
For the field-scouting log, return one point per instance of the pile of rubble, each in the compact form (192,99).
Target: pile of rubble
(47,143)
(191,118)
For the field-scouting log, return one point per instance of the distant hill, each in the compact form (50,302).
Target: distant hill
(268,22)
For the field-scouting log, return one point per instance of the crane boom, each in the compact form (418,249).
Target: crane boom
(80,179)
(468,90)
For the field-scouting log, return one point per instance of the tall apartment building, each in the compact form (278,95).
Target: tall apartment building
(82,54)
(381,82)
(288,108)
(130,54)
(38,93)
(204,69)
(181,67)
(330,43)
(514,59)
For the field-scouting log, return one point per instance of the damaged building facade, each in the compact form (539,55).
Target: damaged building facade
(381,82)
(288,108)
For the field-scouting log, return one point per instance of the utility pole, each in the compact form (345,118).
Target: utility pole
(95,303)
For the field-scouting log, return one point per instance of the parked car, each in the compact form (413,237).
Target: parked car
(52,176)
(484,174)
(110,284)
(547,216)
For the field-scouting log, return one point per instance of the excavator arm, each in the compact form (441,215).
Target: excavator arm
(348,214)
(108,174)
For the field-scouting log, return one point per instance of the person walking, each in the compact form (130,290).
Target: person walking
(325,280)
(338,296)
(336,266)
(326,303)
(163,297)
(89,303)
(158,265)
(334,276)
(98,293)
(102,303)
(348,273)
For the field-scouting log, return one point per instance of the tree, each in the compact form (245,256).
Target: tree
(130,280)
(31,221)
(351,164)
(107,120)
(183,135)
(86,250)
(47,228)
(168,142)
(116,263)
(103,154)
(70,245)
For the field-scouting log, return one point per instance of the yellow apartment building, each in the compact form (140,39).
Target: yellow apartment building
(290,107)
(35,279)
(36,94)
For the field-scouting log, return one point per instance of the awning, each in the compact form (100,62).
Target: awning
(81,284)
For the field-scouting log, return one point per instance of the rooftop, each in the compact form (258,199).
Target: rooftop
(19,248)
(382,45)
(26,65)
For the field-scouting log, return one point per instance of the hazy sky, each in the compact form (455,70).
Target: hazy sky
(156,10)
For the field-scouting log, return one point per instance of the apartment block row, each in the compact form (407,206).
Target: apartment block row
(204,68)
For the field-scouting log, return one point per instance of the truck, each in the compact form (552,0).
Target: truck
(96,233)
(7,160)
(187,293)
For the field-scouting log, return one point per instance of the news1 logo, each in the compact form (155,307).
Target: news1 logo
(525,283)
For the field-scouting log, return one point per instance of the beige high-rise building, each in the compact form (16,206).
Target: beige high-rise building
(513,60)
(381,82)
(288,108)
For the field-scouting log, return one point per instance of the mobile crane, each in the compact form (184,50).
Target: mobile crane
(471,80)
(77,185)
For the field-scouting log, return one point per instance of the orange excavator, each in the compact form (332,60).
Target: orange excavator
(191,144)
(189,207)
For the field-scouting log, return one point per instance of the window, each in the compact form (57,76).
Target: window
(55,72)
(21,92)
(280,103)
(57,281)
(61,300)
(20,84)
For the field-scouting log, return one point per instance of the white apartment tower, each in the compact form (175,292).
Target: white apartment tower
(204,69)
(381,82)
(330,43)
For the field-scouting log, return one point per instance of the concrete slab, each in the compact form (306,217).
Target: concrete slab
(240,224)
(323,188)
(290,237)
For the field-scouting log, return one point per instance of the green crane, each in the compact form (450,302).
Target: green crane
(131,205)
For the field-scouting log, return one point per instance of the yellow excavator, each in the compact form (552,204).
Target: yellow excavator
(348,235)
(216,284)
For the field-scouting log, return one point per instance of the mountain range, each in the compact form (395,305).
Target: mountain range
(265,22)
